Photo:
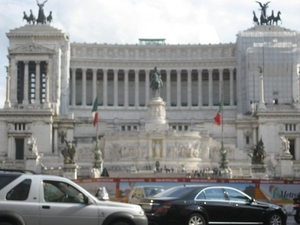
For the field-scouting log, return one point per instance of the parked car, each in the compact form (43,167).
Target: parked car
(28,198)
(198,204)
(140,192)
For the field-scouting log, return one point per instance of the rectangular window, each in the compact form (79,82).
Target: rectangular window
(19,148)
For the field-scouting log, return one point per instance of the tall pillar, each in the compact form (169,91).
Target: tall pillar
(83,101)
(47,91)
(126,88)
(210,88)
(189,89)
(254,135)
(105,87)
(55,139)
(221,84)
(147,86)
(168,87)
(261,104)
(200,103)
(94,84)
(37,82)
(7,101)
(136,83)
(231,87)
(178,88)
(116,88)
(25,97)
(73,86)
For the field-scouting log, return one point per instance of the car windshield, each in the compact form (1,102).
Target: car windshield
(176,192)
(150,191)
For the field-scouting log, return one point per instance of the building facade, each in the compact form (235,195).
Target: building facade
(52,84)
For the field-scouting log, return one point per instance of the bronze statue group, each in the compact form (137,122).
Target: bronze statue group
(264,18)
(42,19)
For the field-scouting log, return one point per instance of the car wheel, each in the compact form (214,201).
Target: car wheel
(5,223)
(275,219)
(120,223)
(297,217)
(196,219)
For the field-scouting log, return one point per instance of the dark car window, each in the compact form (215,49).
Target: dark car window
(5,179)
(201,196)
(236,196)
(214,194)
(19,192)
(175,192)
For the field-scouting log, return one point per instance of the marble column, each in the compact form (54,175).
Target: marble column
(55,139)
(221,85)
(261,104)
(200,103)
(47,102)
(147,85)
(231,87)
(37,82)
(7,101)
(105,87)
(136,88)
(83,100)
(126,88)
(189,88)
(168,87)
(116,88)
(94,84)
(73,86)
(178,88)
(210,87)
(25,97)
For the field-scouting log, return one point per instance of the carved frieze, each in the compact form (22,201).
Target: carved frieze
(31,48)
(166,52)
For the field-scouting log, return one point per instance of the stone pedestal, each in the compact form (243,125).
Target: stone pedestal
(285,165)
(156,118)
(95,172)
(258,171)
(70,171)
(32,163)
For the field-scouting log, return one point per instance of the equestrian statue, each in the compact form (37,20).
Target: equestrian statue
(156,83)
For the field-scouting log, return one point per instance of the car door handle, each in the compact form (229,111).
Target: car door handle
(46,207)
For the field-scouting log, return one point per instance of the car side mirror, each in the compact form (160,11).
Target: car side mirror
(87,200)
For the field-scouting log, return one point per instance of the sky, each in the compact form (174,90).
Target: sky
(125,21)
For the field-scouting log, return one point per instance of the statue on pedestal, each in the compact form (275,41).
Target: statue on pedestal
(285,145)
(156,83)
(69,152)
(259,153)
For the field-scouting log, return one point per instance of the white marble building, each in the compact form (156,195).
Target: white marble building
(52,83)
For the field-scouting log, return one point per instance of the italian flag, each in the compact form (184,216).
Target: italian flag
(95,112)
(217,118)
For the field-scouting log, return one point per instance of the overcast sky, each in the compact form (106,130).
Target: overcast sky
(125,21)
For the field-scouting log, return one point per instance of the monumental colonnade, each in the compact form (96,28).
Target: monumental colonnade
(131,87)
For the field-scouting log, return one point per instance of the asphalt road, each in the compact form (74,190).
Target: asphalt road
(291,221)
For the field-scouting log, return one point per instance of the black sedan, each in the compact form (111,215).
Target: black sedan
(197,204)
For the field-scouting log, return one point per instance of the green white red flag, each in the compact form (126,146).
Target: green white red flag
(95,112)
(218,116)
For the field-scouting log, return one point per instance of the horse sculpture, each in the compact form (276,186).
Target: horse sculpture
(263,19)
(30,19)
(277,18)
(255,20)
(271,18)
(156,83)
(49,18)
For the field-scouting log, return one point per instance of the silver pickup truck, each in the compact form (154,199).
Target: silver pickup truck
(36,199)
